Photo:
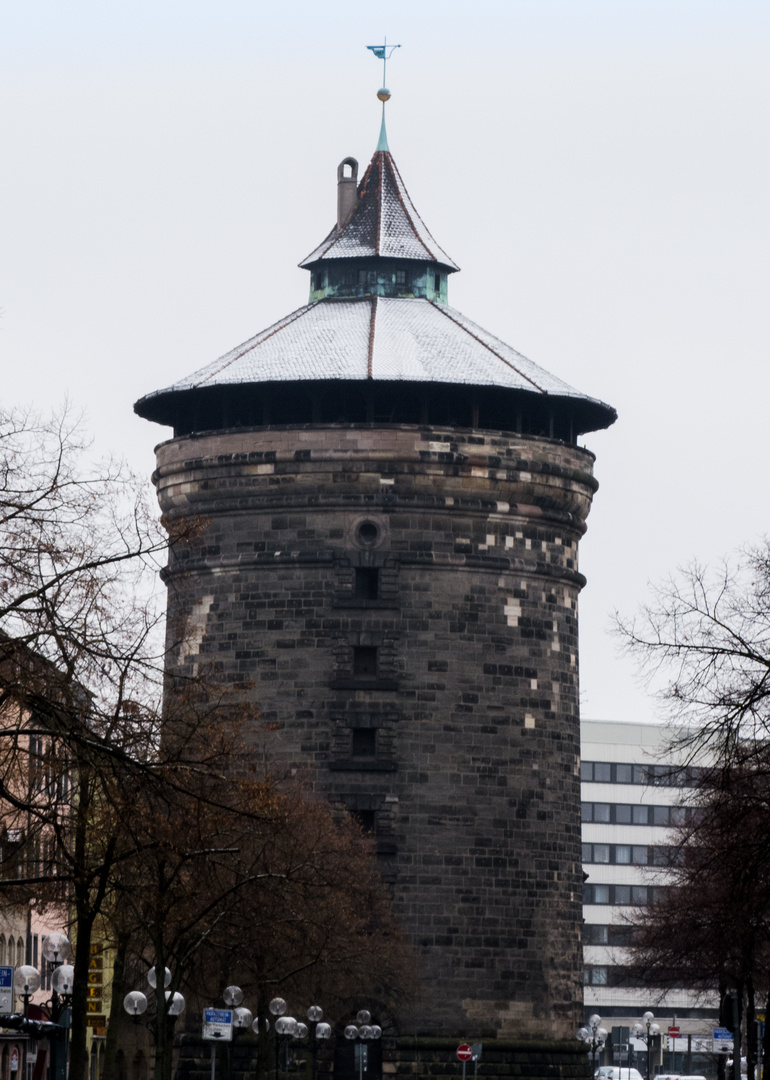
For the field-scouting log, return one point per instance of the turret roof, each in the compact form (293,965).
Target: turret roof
(379,323)
(379,338)
(383,223)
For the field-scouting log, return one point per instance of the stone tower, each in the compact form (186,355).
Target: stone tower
(393,500)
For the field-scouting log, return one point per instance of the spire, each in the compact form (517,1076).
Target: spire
(383,223)
(383,143)
(383,52)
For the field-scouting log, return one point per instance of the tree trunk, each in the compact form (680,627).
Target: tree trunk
(117,1015)
(751,1029)
(78,1034)
(737,1049)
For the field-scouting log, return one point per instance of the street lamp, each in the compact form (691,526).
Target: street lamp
(639,1032)
(288,1027)
(361,1036)
(57,948)
(321,1030)
(135,1002)
(242,1019)
(594,1034)
(26,982)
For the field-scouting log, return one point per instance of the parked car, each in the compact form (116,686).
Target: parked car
(616,1072)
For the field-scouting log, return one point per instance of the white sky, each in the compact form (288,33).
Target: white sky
(599,169)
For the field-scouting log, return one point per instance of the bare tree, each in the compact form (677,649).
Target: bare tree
(704,645)
(710,929)
(236,878)
(144,821)
(80,663)
(706,635)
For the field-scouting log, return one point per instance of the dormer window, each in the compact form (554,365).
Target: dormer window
(437,282)
(400,277)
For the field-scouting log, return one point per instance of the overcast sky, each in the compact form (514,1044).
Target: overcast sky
(600,169)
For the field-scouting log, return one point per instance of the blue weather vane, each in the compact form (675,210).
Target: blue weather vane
(383,52)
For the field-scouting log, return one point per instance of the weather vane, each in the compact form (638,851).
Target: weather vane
(383,52)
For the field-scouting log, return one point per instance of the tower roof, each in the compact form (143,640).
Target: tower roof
(383,223)
(378,316)
(376,338)
(380,339)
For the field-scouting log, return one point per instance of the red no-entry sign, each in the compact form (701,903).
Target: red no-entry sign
(464,1052)
(673,1032)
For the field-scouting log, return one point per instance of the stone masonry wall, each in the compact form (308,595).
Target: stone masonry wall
(401,602)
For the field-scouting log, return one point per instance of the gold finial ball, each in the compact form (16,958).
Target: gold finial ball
(383,94)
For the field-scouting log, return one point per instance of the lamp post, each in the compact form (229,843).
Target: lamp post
(277,1009)
(361,1036)
(321,1030)
(287,1026)
(242,1018)
(26,982)
(57,949)
(594,1034)
(639,1032)
(135,1004)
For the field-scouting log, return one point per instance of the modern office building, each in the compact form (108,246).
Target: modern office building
(634,794)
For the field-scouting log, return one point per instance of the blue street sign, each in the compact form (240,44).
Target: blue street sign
(218,1016)
(6,978)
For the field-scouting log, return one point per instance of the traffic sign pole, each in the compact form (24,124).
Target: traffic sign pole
(464,1053)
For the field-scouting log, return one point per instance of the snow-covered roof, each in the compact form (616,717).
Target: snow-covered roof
(381,338)
(388,327)
(384,222)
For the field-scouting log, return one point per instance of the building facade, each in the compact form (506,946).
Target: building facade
(634,795)
(390,502)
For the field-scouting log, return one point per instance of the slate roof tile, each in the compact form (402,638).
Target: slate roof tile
(383,338)
(384,222)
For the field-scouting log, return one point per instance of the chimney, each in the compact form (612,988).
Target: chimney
(346,190)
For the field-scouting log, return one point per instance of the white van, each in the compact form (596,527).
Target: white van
(615,1072)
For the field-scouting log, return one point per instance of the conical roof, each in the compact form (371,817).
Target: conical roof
(381,338)
(378,315)
(384,223)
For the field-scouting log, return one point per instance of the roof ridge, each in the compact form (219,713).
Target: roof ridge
(384,222)
(372,328)
(486,345)
(399,185)
(258,339)
(336,233)
(378,233)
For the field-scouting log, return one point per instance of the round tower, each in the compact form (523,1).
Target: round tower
(390,502)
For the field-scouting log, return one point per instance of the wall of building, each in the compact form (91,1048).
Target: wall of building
(470,780)
(633,796)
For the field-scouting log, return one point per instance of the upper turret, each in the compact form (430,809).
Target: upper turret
(380,246)
(377,343)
